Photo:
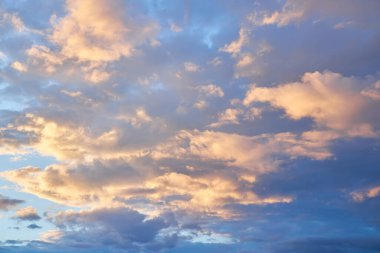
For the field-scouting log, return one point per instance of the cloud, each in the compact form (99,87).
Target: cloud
(191,67)
(7,203)
(19,66)
(229,116)
(46,135)
(246,53)
(27,214)
(42,56)
(170,146)
(361,196)
(34,226)
(90,36)
(100,32)
(333,101)
(250,152)
(12,19)
(235,47)
(118,227)
(211,90)
(200,160)
(102,183)
(295,11)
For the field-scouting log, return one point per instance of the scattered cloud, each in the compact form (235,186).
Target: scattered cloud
(27,214)
(33,226)
(161,126)
(191,67)
(7,203)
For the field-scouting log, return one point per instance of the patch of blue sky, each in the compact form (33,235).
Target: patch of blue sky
(4,60)
(14,161)
(11,103)
(208,35)
(18,230)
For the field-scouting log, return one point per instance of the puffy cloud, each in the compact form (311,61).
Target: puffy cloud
(330,99)
(102,183)
(229,116)
(137,176)
(28,214)
(7,203)
(100,32)
(70,141)
(255,153)
(74,185)
(139,141)
(89,37)
(209,194)
(118,227)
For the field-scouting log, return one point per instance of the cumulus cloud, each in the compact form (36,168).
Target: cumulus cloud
(229,116)
(100,32)
(27,214)
(333,101)
(118,227)
(250,152)
(100,182)
(90,36)
(172,144)
(46,135)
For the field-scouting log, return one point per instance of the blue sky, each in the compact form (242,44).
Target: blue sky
(190,126)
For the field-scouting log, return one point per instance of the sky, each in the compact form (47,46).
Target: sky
(139,126)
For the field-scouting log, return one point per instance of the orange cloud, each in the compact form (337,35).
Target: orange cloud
(330,99)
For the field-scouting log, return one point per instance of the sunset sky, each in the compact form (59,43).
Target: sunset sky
(190,126)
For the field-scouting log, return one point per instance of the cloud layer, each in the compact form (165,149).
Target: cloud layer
(189,126)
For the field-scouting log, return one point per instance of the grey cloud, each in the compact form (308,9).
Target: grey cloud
(7,203)
(33,226)
(120,227)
